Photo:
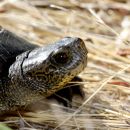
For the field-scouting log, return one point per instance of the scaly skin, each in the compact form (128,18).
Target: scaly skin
(36,73)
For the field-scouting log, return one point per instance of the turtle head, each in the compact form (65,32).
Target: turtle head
(47,69)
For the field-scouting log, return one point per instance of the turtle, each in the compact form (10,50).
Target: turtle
(29,72)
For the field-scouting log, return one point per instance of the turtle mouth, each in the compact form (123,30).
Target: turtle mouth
(64,82)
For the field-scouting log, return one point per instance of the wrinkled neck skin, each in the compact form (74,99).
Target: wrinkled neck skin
(16,95)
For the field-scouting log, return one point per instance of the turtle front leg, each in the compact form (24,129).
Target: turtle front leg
(66,95)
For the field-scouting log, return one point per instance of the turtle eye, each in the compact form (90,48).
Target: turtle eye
(61,57)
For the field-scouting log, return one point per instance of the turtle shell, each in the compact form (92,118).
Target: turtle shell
(10,47)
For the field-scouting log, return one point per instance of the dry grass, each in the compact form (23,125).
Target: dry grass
(105,28)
